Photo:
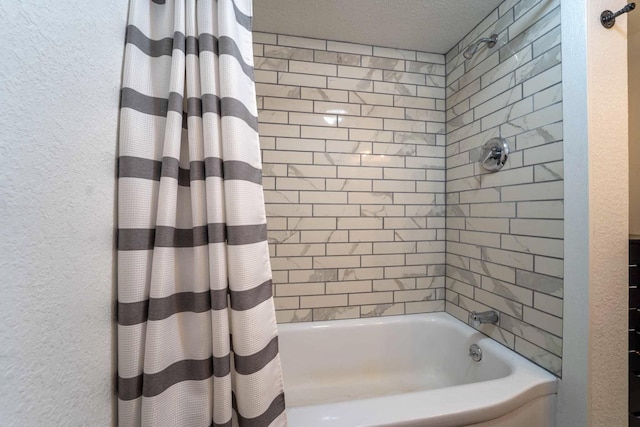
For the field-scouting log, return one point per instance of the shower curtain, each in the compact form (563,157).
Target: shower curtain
(197,337)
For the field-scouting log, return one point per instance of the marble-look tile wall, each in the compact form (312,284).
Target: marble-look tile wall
(353,146)
(505,229)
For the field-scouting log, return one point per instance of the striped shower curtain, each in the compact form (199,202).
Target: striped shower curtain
(197,337)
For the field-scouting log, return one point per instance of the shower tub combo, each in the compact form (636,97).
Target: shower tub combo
(414,370)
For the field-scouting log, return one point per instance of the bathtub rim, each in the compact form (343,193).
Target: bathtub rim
(458,405)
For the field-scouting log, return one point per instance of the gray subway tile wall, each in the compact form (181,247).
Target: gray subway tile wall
(375,200)
(505,229)
(353,148)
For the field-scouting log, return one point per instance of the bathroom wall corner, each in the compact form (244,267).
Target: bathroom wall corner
(593,390)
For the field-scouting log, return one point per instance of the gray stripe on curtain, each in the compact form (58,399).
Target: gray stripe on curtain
(160,47)
(170,237)
(196,170)
(192,46)
(136,239)
(228,46)
(247,365)
(194,107)
(208,43)
(136,167)
(217,232)
(150,385)
(246,234)
(219,299)
(245,300)
(134,313)
(210,104)
(189,45)
(171,168)
(153,48)
(222,366)
(150,105)
(242,19)
(160,308)
(179,41)
(233,169)
(140,239)
(212,167)
(175,102)
(234,108)
(273,411)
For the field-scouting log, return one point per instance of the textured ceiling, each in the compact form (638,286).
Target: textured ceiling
(425,25)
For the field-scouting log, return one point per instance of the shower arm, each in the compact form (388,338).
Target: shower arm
(473,48)
(490,41)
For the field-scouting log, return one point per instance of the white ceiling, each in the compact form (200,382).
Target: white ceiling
(424,25)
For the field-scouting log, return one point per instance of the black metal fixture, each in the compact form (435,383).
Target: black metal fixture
(608,18)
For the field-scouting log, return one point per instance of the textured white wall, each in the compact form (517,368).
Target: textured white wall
(608,198)
(59,93)
(593,390)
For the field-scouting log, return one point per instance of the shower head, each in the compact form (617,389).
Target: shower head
(473,48)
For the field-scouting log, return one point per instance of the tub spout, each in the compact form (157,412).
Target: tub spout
(490,316)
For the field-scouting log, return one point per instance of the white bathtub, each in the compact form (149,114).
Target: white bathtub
(410,370)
